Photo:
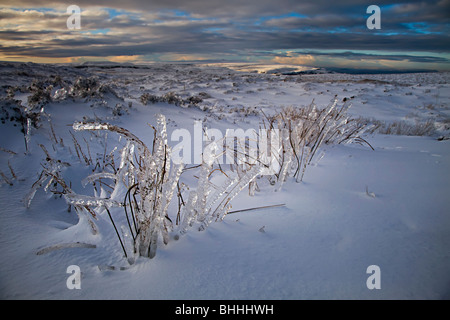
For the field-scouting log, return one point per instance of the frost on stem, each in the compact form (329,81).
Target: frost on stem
(36,185)
(305,130)
(87,201)
(149,182)
(78,126)
(207,203)
(51,173)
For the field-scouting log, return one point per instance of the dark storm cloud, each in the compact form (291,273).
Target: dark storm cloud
(237,27)
(218,8)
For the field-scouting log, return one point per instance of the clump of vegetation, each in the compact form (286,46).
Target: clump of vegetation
(302,131)
(40,95)
(143,181)
(172,98)
(426,128)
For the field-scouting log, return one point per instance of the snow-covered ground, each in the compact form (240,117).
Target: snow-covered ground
(355,207)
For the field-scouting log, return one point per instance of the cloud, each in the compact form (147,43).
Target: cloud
(198,29)
(304,59)
(351,59)
(237,9)
(121,59)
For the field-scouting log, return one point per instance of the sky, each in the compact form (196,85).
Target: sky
(413,35)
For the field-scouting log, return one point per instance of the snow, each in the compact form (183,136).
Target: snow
(356,207)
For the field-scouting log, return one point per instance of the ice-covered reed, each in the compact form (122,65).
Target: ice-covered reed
(146,179)
(303,131)
(149,183)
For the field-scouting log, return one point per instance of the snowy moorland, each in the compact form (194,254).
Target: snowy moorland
(124,171)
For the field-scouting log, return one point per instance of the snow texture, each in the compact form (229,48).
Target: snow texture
(71,164)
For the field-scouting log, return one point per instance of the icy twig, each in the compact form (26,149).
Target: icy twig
(258,208)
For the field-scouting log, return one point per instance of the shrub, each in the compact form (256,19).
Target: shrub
(150,183)
(145,181)
(426,128)
(303,130)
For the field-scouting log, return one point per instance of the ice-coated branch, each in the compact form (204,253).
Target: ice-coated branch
(96,176)
(82,201)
